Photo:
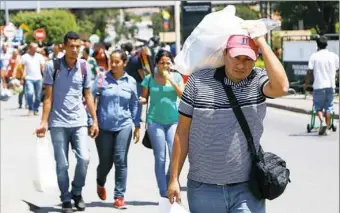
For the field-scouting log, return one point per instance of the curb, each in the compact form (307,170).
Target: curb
(293,109)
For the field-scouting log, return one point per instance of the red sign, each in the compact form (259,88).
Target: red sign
(40,34)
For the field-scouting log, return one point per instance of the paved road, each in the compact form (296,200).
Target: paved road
(313,160)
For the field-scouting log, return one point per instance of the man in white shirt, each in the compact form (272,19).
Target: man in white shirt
(324,65)
(33,64)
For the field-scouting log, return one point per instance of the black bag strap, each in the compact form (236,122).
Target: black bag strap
(242,120)
(56,68)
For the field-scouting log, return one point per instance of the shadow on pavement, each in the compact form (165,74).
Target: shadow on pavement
(36,209)
(130,203)
(315,134)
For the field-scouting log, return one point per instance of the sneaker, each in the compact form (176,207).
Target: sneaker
(67,207)
(119,203)
(323,129)
(35,113)
(79,202)
(101,192)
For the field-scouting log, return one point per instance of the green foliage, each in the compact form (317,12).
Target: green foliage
(320,15)
(276,40)
(260,63)
(246,13)
(2,18)
(156,19)
(337,27)
(55,22)
(95,21)
(85,28)
(243,11)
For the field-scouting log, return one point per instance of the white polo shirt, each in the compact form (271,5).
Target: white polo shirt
(324,65)
(32,66)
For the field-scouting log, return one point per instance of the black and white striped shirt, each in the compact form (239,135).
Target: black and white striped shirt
(218,150)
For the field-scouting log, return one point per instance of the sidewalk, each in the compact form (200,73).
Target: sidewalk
(299,103)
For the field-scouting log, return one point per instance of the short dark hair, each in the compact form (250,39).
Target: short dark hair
(71,36)
(322,42)
(87,50)
(128,47)
(122,54)
(162,53)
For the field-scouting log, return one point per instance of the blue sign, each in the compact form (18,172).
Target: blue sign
(19,35)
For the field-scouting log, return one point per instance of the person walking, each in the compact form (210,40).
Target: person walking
(117,108)
(163,88)
(65,116)
(33,64)
(323,65)
(209,133)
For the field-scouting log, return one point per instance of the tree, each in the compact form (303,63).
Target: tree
(243,11)
(95,20)
(55,22)
(320,15)
(157,25)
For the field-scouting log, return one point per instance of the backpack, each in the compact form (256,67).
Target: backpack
(56,69)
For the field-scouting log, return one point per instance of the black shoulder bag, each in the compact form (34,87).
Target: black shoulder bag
(146,139)
(269,175)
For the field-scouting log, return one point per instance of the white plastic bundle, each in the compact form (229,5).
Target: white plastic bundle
(204,47)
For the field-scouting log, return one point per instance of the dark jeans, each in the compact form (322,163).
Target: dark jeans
(112,149)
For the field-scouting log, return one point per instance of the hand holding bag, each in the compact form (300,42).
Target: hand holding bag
(269,175)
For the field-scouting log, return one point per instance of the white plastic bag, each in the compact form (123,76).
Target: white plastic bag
(45,179)
(166,207)
(203,49)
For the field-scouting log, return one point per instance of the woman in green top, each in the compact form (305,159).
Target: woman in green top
(163,88)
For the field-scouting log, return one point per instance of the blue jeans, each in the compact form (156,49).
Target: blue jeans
(33,93)
(61,138)
(323,99)
(161,136)
(204,198)
(113,148)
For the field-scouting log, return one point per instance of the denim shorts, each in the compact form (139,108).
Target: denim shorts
(323,99)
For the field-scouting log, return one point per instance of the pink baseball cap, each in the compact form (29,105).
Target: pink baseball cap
(242,45)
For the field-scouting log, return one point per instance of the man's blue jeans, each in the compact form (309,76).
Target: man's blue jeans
(113,148)
(33,93)
(204,198)
(160,137)
(61,138)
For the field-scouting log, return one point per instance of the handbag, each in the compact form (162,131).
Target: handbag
(269,175)
(146,139)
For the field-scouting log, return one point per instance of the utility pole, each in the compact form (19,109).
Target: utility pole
(178,25)
(6,13)
(38,6)
(269,15)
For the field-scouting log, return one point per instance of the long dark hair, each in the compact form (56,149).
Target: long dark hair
(165,53)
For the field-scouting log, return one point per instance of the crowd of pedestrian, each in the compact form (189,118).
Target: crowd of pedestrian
(98,91)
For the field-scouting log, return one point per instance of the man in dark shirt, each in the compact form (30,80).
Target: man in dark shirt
(135,69)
